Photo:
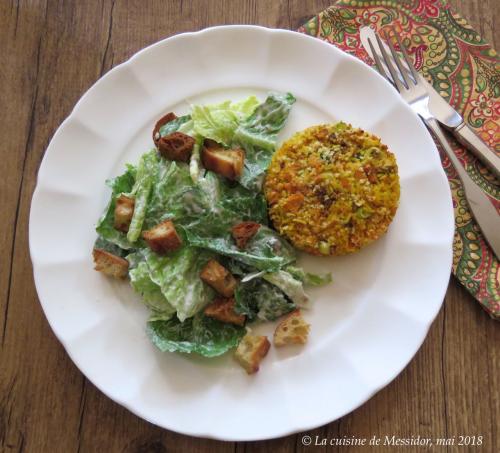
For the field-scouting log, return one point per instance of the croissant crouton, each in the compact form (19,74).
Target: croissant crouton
(109,264)
(222,309)
(225,162)
(176,146)
(219,278)
(170,116)
(162,238)
(243,232)
(124,211)
(291,330)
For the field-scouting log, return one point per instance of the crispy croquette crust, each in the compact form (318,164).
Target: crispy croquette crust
(332,189)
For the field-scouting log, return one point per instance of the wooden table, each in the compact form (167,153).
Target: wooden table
(52,51)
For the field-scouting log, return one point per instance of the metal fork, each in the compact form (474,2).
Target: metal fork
(407,81)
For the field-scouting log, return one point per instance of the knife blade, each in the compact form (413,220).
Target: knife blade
(447,116)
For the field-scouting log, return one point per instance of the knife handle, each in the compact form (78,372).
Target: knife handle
(466,136)
(480,205)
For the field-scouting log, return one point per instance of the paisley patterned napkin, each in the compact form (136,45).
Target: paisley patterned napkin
(465,71)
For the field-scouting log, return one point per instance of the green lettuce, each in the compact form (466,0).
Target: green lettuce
(220,121)
(257,161)
(179,124)
(237,267)
(258,133)
(174,195)
(265,251)
(260,299)
(229,203)
(187,128)
(195,161)
(225,205)
(261,128)
(308,278)
(238,202)
(103,244)
(292,287)
(151,293)
(105,225)
(145,177)
(208,205)
(249,124)
(211,186)
(199,334)
(178,276)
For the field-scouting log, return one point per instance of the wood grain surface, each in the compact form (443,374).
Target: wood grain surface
(52,52)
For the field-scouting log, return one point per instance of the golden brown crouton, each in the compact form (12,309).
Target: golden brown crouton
(176,146)
(170,116)
(250,352)
(222,309)
(219,278)
(243,232)
(162,238)
(292,330)
(109,264)
(225,162)
(124,210)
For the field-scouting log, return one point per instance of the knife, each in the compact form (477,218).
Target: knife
(447,116)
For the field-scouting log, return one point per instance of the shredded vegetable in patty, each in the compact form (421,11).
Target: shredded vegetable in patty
(332,189)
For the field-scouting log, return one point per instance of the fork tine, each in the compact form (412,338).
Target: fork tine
(402,70)
(400,87)
(378,63)
(407,58)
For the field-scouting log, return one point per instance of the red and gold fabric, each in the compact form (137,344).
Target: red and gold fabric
(465,70)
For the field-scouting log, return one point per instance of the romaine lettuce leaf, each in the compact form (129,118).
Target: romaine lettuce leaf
(105,225)
(289,285)
(230,202)
(248,124)
(187,128)
(260,299)
(174,195)
(219,121)
(245,107)
(209,205)
(199,334)
(178,276)
(195,161)
(179,124)
(265,251)
(307,278)
(257,134)
(103,244)
(225,205)
(237,267)
(211,186)
(146,174)
(237,202)
(257,161)
(261,128)
(152,296)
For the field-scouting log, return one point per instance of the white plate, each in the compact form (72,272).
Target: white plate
(366,326)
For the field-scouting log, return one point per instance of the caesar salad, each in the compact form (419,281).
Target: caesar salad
(188,227)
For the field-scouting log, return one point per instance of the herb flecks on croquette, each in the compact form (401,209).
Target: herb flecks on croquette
(332,189)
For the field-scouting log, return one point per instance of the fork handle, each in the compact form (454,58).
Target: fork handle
(486,215)
(471,141)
